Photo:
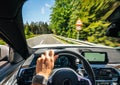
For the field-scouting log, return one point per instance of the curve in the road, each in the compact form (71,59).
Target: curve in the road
(43,39)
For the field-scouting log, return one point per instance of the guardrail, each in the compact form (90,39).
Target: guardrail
(75,41)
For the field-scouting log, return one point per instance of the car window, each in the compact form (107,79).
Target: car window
(82,20)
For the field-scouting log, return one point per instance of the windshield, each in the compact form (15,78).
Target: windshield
(76,22)
(77,19)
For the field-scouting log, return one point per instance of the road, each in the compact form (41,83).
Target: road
(43,39)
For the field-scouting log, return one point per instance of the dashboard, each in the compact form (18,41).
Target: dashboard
(104,74)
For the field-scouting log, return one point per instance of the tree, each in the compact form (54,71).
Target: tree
(92,13)
(60,16)
(37,28)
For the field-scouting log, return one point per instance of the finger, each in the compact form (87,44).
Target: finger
(38,66)
(47,60)
(46,53)
(42,59)
(40,62)
(51,53)
(47,64)
(47,56)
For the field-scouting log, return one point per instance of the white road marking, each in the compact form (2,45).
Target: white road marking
(41,41)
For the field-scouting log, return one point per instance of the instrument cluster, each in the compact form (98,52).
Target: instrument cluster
(62,61)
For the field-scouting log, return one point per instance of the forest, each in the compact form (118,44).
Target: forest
(93,14)
(36,28)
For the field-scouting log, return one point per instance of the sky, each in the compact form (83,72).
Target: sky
(37,10)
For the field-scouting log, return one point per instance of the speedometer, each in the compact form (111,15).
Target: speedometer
(62,61)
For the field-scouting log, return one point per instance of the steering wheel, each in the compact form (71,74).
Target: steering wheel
(67,76)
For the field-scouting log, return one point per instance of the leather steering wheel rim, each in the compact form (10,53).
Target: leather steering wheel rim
(85,63)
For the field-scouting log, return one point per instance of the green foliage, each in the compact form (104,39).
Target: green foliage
(35,28)
(60,16)
(28,33)
(39,27)
(2,42)
(93,14)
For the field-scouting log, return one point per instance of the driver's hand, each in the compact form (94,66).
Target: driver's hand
(45,63)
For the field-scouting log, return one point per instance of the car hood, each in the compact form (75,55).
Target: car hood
(11,25)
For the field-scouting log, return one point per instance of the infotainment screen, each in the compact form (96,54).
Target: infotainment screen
(96,57)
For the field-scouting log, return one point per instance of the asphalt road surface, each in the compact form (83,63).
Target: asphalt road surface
(43,39)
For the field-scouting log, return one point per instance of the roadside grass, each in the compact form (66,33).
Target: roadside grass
(30,36)
(65,41)
(27,37)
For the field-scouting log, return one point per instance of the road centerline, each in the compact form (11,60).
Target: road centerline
(41,42)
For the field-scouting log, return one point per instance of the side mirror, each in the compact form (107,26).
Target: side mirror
(114,30)
(4,53)
(14,57)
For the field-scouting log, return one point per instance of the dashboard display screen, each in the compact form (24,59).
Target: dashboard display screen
(96,57)
(62,61)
